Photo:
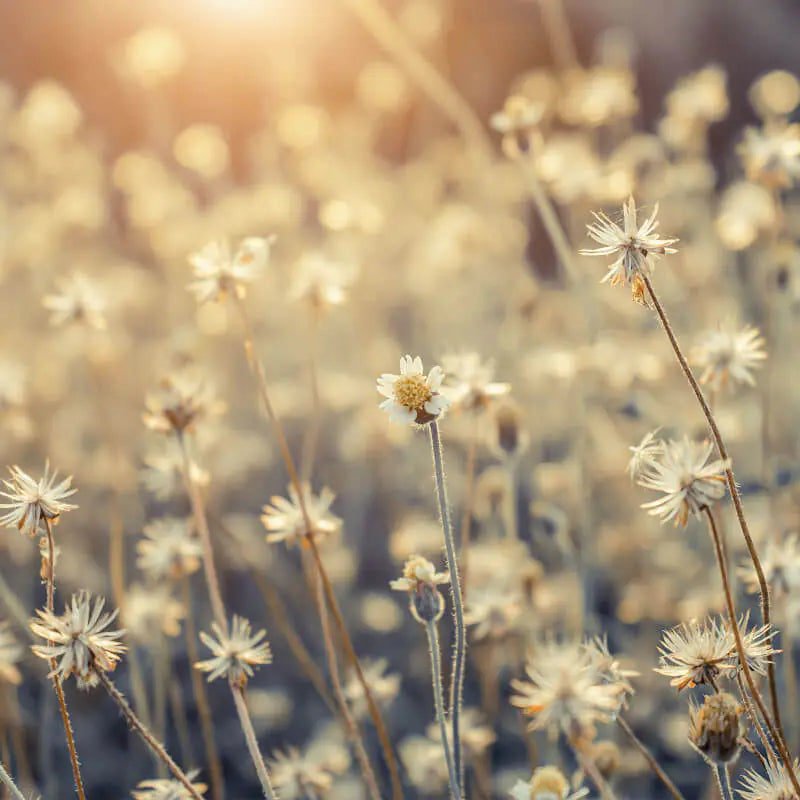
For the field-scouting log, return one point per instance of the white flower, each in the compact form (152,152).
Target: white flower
(411,397)
(234,654)
(644,454)
(78,301)
(32,501)
(217,273)
(285,521)
(731,354)
(777,785)
(469,381)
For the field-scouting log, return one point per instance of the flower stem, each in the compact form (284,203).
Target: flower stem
(144,733)
(587,764)
(459,656)
(650,758)
(252,743)
(10,785)
(737,503)
(748,705)
(436,675)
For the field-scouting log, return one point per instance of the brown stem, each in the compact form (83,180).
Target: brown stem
(756,724)
(252,743)
(650,758)
(737,501)
(587,764)
(145,734)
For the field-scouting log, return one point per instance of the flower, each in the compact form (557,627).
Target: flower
(383,687)
(32,501)
(771,155)
(410,396)
(688,483)
(285,521)
(235,654)
(565,691)
(546,783)
(645,454)
(181,400)
(167,788)
(168,549)
(780,561)
(729,353)
(217,273)
(420,580)
(469,382)
(631,244)
(78,301)
(517,122)
(300,775)
(607,666)
(777,784)
(493,609)
(716,729)
(320,280)
(79,640)
(10,654)
(476,735)
(695,652)
(757,645)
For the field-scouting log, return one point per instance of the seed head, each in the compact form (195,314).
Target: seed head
(180,402)
(285,521)
(32,500)
(235,654)
(716,728)
(729,355)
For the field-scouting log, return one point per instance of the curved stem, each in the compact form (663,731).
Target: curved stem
(252,743)
(587,764)
(737,503)
(459,656)
(756,724)
(651,760)
(436,675)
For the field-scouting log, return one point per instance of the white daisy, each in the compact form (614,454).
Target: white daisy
(411,397)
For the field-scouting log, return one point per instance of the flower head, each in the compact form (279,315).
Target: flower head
(468,383)
(235,653)
(32,500)
(79,639)
(729,355)
(546,783)
(167,789)
(771,155)
(776,785)
(217,273)
(168,549)
(632,245)
(285,521)
(411,397)
(383,686)
(420,580)
(687,481)
(644,455)
(181,400)
(517,121)
(302,774)
(717,728)
(780,561)
(695,652)
(78,301)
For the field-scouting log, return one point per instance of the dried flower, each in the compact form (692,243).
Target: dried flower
(729,354)
(167,788)
(716,728)
(383,687)
(689,484)
(494,610)
(517,122)
(644,455)
(695,652)
(476,735)
(300,775)
(168,549)
(420,580)
(217,273)
(285,521)
(79,639)
(771,155)
(411,397)
(507,436)
(235,654)
(780,561)
(320,280)
(777,784)
(468,383)
(32,501)
(546,783)
(180,402)
(78,301)
(757,646)
(632,245)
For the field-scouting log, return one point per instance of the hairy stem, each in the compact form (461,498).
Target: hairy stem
(650,758)
(10,785)
(252,743)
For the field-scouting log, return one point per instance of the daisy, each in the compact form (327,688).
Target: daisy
(631,244)
(32,501)
(218,273)
(420,580)
(234,654)
(411,397)
(285,521)
(729,354)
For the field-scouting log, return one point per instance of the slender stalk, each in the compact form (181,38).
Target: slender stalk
(726,775)
(748,705)
(737,503)
(62,703)
(650,758)
(144,733)
(459,656)
(745,667)
(178,712)
(161,659)
(587,764)
(557,26)
(252,743)
(10,785)
(438,701)
(200,695)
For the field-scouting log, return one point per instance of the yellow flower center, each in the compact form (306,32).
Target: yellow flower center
(412,391)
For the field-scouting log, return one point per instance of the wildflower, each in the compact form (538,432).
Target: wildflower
(729,354)
(546,783)
(300,775)
(411,397)
(689,484)
(167,788)
(607,757)
(79,639)
(777,784)
(598,96)
(151,608)
(565,692)
(163,469)
(771,154)
(78,301)
(217,273)
(469,382)
(420,580)
(180,402)
(235,654)
(383,687)
(320,280)
(695,652)
(631,244)
(168,549)
(494,610)
(607,666)
(645,454)
(285,521)
(32,501)
(476,736)
(780,561)
(716,729)
(757,646)
(10,654)
(517,122)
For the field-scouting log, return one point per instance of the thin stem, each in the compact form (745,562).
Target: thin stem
(737,503)
(726,774)
(557,26)
(10,785)
(62,703)
(741,653)
(459,656)
(438,701)
(252,744)
(650,758)
(754,719)
(200,695)
(587,764)
(144,733)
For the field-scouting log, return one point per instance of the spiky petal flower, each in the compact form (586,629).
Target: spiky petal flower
(696,652)
(412,397)
(182,399)
(218,273)
(78,301)
(644,454)
(79,639)
(168,549)
(383,686)
(632,244)
(285,521)
(729,354)
(167,788)
(299,775)
(687,481)
(32,500)
(776,785)
(235,653)
(469,383)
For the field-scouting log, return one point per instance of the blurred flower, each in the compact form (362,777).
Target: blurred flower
(645,454)
(493,609)
(150,611)
(476,736)
(383,687)
(162,473)
(285,521)
(79,639)
(777,784)
(508,439)
(695,652)
(167,788)
(151,56)
(598,96)
(516,122)
(717,728)
(775,94)
(631,244)
(32,501)
(468,381)
(168,549)
(546,783)
(729,353)
(771,154)
(217,273)
(608,667)
(700,96)
(780,561)
(234,654)
(410,396)
(420,580)
(181,400)
(10,653)
(689,484)
(300,775)
(746,211)
(78,301)
(320,280)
